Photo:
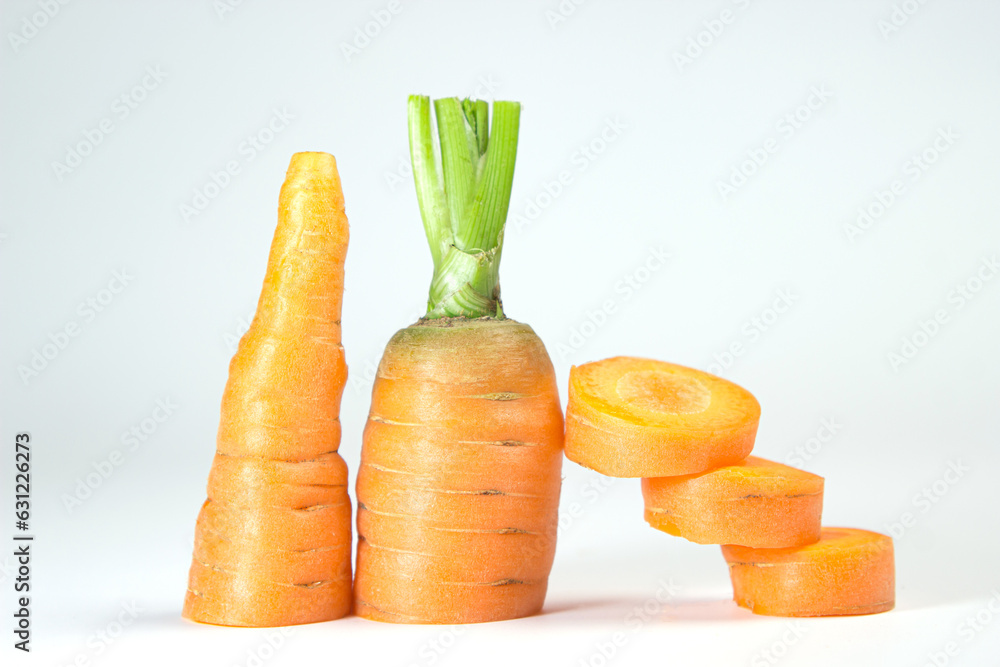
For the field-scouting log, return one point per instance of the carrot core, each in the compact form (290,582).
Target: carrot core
(657,391)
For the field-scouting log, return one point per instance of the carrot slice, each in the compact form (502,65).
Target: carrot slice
(755,503)
(630,417)
(849,571)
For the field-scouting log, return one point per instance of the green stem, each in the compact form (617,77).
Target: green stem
(489,210)
(464,199)
(430,193)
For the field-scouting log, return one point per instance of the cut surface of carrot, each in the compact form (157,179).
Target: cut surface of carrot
(273,540)
(632,417)
(754,503)
(849,571)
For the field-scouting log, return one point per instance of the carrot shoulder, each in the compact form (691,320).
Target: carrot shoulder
(273,540)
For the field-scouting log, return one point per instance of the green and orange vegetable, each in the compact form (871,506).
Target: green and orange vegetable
(458,489)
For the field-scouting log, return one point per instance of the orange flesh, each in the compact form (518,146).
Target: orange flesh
(849,571)
(273,540)
(458,488)
(630,417)
(755,503)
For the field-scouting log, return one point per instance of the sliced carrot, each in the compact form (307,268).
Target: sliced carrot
(630,417)
(273,540)
(755,503)
(849,571)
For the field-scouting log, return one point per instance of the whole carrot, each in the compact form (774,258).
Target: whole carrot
(458,488)
(273,540)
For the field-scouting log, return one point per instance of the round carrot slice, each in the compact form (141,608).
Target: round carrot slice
(630,417)
(755,503)
(849,571)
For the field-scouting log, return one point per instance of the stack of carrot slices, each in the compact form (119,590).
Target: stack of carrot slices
(688,435)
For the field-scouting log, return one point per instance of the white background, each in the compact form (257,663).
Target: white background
(683,127)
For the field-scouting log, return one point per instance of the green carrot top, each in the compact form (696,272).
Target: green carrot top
(464,194)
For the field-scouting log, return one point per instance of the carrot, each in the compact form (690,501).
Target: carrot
(630,417)
(458,488)
(755,503)
(273,540)
(848,571)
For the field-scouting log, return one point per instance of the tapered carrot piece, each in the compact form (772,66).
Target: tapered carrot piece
(849,571)
(630,417)
(273,540)
(754,503)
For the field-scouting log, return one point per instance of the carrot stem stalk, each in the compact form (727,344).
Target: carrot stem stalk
(464,195)
(426,176)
